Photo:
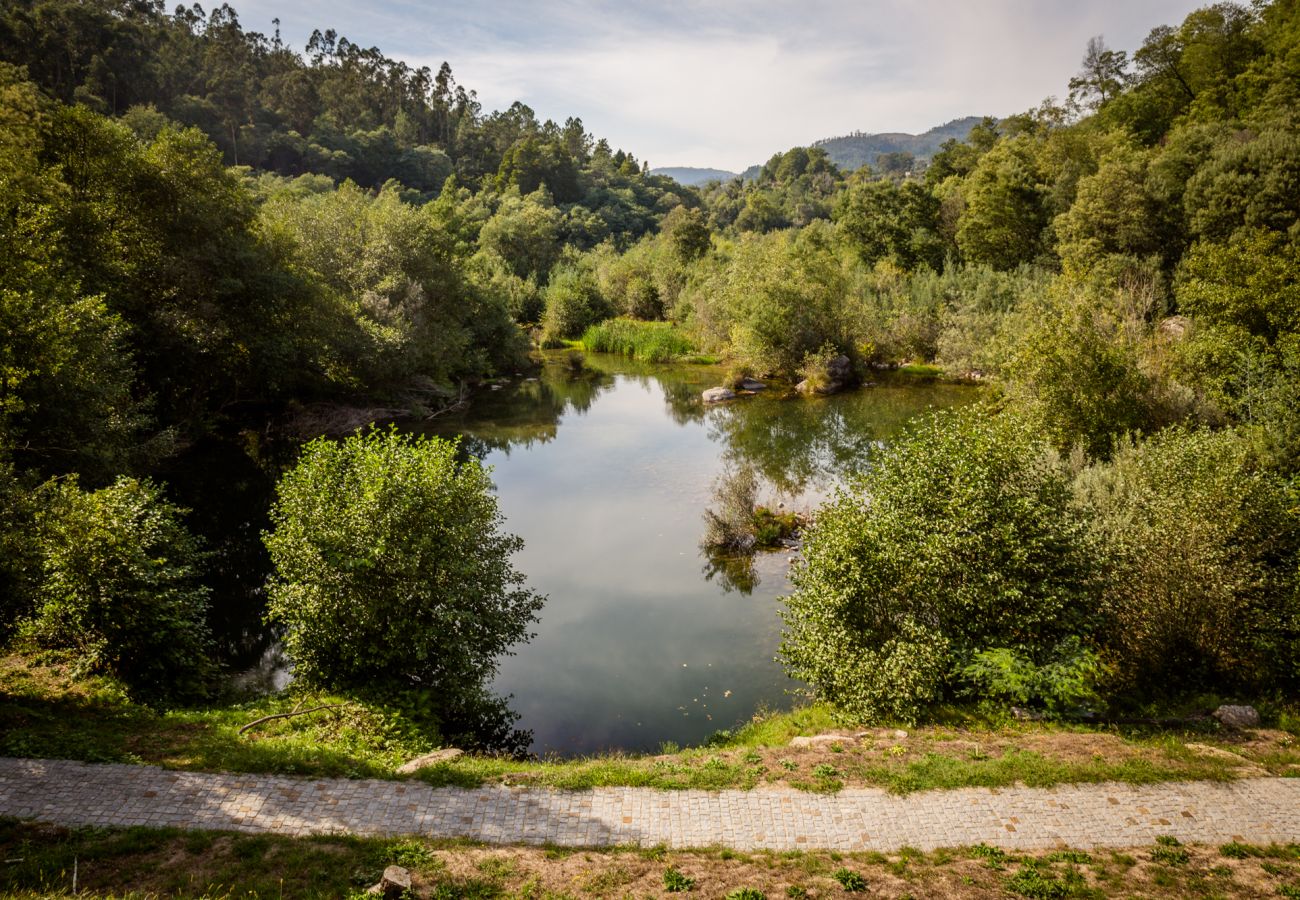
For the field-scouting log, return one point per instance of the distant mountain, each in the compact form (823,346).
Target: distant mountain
(692,176)
(853,151)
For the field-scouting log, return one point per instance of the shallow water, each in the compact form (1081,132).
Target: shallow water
(606,473)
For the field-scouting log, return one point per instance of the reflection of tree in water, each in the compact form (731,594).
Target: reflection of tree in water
(524,413)
(792,442)
(801,443)
(735,572)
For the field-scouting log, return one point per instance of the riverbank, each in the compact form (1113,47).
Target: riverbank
(46,713)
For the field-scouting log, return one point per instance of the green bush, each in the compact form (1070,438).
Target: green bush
(573,303)
(120,587)
(391,568)
(1201,564)
(1066,683)
(960,538)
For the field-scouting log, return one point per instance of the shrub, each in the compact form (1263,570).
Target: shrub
(1066,683)
(120,587)
(960,538)
(1201,564)
(391,568)
(573,302)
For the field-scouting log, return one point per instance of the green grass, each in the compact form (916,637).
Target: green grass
(648,341)
(143,862)
(46,713)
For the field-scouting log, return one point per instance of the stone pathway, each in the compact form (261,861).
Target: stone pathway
(1257,811)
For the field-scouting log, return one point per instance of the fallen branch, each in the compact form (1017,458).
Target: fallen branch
(294,712)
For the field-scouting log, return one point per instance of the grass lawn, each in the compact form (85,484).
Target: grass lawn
(38,861)
(46,712)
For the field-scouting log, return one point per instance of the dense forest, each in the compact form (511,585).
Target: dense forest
(207,235)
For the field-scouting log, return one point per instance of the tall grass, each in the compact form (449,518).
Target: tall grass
(649,341)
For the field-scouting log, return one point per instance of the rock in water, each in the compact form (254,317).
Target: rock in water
(718,394)
(429,759)
(750,384)
(839,369)
(1238,716)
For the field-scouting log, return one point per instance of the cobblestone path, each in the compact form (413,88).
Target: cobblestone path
(1259,811)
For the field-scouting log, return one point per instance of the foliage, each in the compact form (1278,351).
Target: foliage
(1200,559)
(675,882)
(1067,683)
(120,587)
(391,569)
(959,539)
(649,341)
(729,522)
(573,304)
(851,881)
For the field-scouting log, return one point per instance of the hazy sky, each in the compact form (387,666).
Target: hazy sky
(728,83)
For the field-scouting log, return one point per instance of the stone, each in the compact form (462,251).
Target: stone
(718,395)
(429,759)
(1237,716)
(750,384)
(839,369)
(395,882)
(819,740)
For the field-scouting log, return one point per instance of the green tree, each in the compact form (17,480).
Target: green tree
(121,587)
(960,538)
(391,568)
(1003,217)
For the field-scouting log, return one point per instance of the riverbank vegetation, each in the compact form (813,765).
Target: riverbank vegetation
(48,709)
(206,236)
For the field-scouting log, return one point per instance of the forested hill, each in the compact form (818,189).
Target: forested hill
(853,151)
(693,176)
(338,109)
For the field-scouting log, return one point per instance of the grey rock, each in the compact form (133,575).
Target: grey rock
(819,740)
(429,759)
(395,882)
(750,384)
(1238,716)
(839,368)
(718,395)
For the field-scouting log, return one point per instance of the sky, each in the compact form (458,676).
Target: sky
(727,83)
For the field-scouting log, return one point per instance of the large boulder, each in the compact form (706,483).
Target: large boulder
(750,384)
(1238,716)
(840,369)
(718,395)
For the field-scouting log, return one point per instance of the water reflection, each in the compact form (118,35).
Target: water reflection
(605,473)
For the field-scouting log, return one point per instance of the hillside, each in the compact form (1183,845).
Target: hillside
(849,152)
(692,176)
(853,151)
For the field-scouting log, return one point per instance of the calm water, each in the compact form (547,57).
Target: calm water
(605,473)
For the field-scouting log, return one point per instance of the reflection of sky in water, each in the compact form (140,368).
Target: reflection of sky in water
(634,646)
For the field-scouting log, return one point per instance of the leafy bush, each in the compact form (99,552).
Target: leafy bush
(391,568)
(1201,564)
(746,893)
(1064,684)
(960,538)
(573,303)
(120,587)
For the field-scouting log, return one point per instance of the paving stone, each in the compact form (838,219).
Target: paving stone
(1254,810)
